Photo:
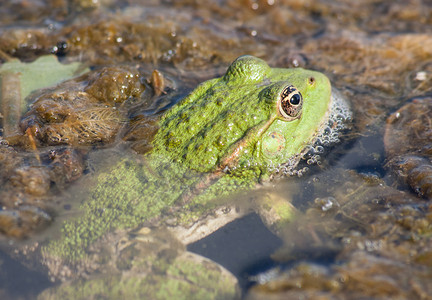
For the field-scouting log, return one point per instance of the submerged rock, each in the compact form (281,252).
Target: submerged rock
(407,140)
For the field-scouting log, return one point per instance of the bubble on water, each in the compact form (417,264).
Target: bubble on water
(327,203)
(314,159)
(340,113)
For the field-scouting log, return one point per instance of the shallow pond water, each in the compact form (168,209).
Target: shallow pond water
(362,225)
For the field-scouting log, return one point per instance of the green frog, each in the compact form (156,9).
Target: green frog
(229,135)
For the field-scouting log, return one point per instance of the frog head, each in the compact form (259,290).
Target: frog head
(254,116)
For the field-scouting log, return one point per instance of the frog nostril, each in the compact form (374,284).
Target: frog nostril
(311,80)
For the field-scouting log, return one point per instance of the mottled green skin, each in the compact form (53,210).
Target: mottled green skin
(233,114)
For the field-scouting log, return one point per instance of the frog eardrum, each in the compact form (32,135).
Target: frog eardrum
(290,103)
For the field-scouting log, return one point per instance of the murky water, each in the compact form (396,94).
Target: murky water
(363,221)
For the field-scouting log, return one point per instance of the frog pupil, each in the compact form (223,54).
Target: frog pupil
(295,99)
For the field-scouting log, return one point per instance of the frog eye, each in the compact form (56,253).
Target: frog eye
(290,103)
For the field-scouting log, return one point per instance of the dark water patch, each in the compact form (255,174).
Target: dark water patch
(19,282)
(243,247)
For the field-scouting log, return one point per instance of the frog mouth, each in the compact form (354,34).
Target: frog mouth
(335,122)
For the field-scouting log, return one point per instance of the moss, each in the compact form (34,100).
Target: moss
(124,197)
(185,278)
